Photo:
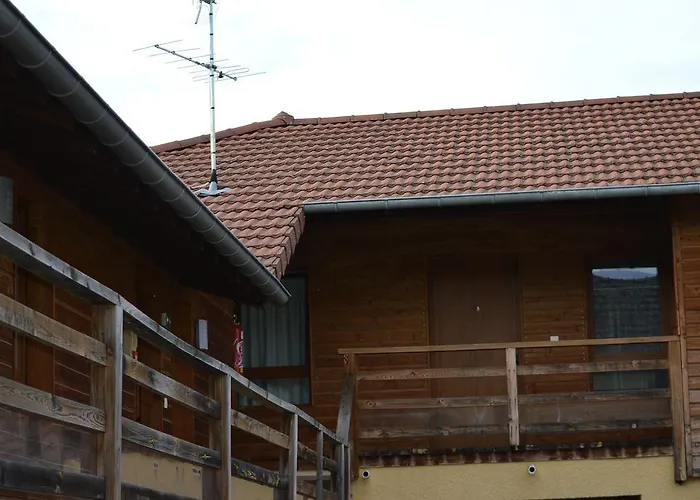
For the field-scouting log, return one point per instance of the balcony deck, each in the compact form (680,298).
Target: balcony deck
(55,444)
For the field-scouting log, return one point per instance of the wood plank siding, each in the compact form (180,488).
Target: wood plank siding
(686,228)
(62,228)
(369,281)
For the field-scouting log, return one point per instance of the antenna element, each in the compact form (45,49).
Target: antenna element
(207,70)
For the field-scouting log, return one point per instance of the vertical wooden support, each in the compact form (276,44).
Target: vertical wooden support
(292,464)
(676,382)
(107,393)
(319,465)
(681,327)
(221,431)
(342,472)
(513,418)
(347,414)
(283,456)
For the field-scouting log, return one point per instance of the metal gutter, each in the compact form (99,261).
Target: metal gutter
(33,52)
(542,196)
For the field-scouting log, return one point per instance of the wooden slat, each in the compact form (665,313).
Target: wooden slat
(431,403)
(594,426)
(222,390)
(21,397)
(512,379)
(252,426)
(109,329)
(505,345)
(155,440)
(677,412)
(266,477)
(319,466)
(589,397)
(292,463)
(431,432)
(347,397)
(432,373)
(170,388)
(593,367)
(31,323)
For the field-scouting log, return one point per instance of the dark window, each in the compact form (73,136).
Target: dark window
(276,345)
(627,303)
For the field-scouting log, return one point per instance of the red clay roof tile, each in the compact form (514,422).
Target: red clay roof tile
(274,167)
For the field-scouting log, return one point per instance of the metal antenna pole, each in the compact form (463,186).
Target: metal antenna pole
(213,181)
(211,72)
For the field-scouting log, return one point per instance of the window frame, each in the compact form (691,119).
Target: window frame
(263,373)
(663,271)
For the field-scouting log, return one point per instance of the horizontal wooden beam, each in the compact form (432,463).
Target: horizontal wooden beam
(21,476)
(163,339)
(170,388)
(431,403)
(38,261)
(431,432)
(594,426)
(155,440)
(266,477)
(28,322)
(26,399)
(432,373)
(507,345)
(254,427)
(588,397)
(594,367)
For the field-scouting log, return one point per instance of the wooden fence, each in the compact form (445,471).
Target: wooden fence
(522,414)
(112,313)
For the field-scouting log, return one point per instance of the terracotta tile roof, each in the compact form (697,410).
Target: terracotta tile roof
(274,167)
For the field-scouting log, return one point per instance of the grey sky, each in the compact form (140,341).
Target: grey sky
(326,58)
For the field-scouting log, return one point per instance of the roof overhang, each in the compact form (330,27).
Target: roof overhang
(502,197)
(34,53)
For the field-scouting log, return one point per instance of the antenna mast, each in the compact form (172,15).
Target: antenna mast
(206,71)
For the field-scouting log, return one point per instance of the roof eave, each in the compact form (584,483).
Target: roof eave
(33,52)
(501,197)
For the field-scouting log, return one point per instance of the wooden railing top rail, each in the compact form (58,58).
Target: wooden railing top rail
(49,267)
(507,345)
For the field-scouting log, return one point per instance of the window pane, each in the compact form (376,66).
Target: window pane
(276,336)
(627,303)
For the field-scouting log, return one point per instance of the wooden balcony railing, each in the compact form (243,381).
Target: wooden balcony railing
(112,313)
(523,417)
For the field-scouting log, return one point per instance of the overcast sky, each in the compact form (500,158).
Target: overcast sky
(328,58)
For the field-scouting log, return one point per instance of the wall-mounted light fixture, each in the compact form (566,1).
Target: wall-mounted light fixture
(6,200)
(202,335)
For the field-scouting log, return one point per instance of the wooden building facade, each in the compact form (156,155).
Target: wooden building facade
(504,333)
(110,269)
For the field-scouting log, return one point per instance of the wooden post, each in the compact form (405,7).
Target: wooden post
(319,465)
(221,430)
(107,394)
(347,427)
(292,464)
(513,418)
(342,472)
(677,410)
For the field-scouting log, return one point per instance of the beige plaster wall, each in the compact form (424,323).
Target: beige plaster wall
(650,477)
(161,473)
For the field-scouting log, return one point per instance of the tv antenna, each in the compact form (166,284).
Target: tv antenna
(205,68)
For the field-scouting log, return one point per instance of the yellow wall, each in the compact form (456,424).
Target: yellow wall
(162,473)
(650,477)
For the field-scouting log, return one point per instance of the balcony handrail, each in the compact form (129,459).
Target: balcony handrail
(539,344)
(511,370)
(114,314)
(46,265)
